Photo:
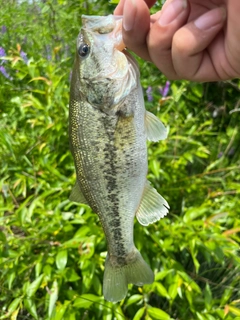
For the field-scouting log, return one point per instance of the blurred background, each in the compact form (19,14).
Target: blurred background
(52,251)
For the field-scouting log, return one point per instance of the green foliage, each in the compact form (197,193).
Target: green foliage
(52,251)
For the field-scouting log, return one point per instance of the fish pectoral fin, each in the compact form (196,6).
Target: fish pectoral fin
(76,195)
(154,128)
(153,206)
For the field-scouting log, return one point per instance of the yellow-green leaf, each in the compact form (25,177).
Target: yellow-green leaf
(139,314)
(158,314)
(53,298)
(32,288)
(61,259)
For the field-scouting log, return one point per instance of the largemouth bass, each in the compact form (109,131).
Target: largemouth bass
(108,129)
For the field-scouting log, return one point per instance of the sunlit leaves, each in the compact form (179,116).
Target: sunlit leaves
(139,313)
(30,289)
(61,259)
(31,307)
(53,297)
(52,251)
(85,301)
(158,314)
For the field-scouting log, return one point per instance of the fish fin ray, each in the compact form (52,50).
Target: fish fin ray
(116,279)
(154,127)
(153,206)
(76,195)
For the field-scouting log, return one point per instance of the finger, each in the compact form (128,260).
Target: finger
(136,24)
(119,8)
(233,36)
(193,45)
(150,3)
(164,25)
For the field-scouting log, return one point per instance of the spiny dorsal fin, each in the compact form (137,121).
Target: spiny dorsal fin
(153,206)
(76,195)
(155,128)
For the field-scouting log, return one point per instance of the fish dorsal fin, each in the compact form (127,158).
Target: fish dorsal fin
(155,128)
(153,206)
(76,195)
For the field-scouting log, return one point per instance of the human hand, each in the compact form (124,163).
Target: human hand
(197,40)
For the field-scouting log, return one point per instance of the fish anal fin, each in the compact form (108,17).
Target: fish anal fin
(153,206)
(76,195)
(154,127)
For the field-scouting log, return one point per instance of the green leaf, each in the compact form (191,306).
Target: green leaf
(155,167)
(234,310)
(158,314)
(189,297)
(172,291)
(200,316)
(193,213)
(161,275)
(11,276)
(33,287)
(226,296)
(208,296)
(86,300)
(45,8)
(107,310)
(14,304)
(38,268)
(31,307)
(53,298)
(15,314)
(161,290)
(60,310)
(139,313)
(97,285)
(61,259)
(210,317)
(72,315)
(133,299)
(72,276)
(118,313)
(2,236)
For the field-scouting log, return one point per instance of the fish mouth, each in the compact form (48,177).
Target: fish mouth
(111,25)
(117,33)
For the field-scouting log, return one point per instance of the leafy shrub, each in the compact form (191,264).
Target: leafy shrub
(52,251)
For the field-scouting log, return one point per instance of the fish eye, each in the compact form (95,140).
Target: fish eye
(83,50)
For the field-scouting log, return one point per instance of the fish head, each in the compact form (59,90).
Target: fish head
(104,73)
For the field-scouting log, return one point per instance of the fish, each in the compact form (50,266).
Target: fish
(108,128)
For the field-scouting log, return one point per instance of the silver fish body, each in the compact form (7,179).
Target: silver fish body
(108,130)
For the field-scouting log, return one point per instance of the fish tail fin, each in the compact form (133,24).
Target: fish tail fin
(116,278)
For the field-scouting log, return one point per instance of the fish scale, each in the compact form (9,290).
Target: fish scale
(108,128)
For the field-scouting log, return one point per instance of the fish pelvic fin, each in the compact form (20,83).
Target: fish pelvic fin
(117,277)
(152,207)
(154,128)
(76,195)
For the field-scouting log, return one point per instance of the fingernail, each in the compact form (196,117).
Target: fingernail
(211,19)
(171,11)
(129,12)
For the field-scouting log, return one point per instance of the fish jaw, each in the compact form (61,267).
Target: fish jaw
(106,25)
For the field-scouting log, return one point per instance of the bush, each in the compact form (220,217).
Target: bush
(52,251)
